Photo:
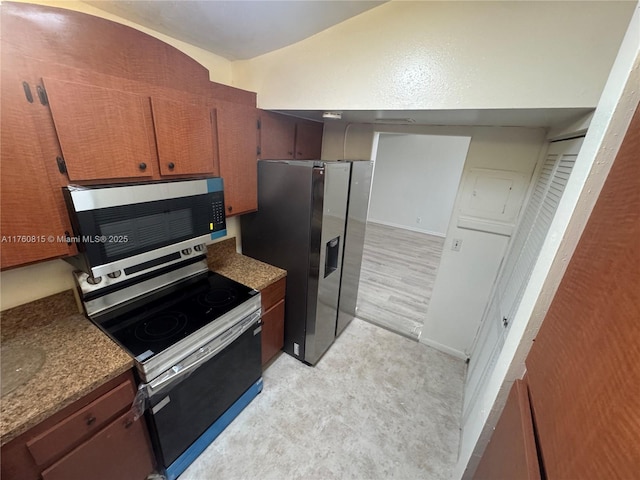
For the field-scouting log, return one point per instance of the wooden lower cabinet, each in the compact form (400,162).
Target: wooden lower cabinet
(96,437)
(511,453)
(272,319)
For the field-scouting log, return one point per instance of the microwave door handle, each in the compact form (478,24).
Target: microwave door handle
(231,336)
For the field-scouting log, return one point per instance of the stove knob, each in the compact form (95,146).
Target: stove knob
(93,280)
(199,248)
(186,251)
(115,274)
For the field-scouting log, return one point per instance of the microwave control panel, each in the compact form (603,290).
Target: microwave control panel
(217,205)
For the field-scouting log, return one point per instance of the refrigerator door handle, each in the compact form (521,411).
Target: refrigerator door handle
(331,256)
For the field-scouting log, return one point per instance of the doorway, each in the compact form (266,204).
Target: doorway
(415,183)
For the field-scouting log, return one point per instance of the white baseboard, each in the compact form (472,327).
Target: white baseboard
(443,348)
(404,227)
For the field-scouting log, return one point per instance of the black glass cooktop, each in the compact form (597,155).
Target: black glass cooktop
(152,324)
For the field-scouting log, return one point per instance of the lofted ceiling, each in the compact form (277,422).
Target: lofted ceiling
(239,29)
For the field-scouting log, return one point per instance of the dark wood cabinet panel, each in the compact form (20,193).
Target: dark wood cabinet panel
(272,331)
(121,451)
(308,140)
(511,452)
(99,45)
(31,220)
(584,368)
(186,138)
(277,136)
(69,445)
(272,302)
(81,425)
(238,146)
(103,133)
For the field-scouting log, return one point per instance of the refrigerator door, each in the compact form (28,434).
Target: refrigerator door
(331,190)
(279,233)
(359,189)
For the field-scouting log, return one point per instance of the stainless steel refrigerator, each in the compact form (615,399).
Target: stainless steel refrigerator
(300,227)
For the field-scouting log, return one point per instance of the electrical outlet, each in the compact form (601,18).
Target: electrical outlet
(456,244)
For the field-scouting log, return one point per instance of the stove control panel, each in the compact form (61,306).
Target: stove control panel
(90,284)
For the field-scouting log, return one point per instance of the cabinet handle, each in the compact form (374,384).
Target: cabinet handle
(289,153)
(230,208)
(142,166)
(171,165)
(91,420)
(128,423)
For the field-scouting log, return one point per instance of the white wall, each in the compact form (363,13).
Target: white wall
(415,181)
(446,55)
(620,99)
(23,285)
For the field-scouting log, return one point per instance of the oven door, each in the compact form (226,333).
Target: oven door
(128,227)
(182,409)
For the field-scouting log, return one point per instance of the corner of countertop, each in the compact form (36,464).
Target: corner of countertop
(224,259)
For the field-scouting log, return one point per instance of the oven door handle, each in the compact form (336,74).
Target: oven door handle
(225,340)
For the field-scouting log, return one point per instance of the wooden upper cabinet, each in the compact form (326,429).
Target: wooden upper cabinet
(308,140)
(31,221)
(277,136)
(103,133)
(186,138)
(108,134)
(238,146)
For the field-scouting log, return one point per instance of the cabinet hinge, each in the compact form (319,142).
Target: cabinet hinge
(42,95)
(258,150)
(27,92)
(62,166)
(259,124)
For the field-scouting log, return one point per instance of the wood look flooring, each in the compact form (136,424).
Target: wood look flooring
(399,269)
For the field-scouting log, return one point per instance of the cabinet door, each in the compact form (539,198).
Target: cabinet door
(186,138)
(238,145)
(103,133)
(272,331)
(31,220)
(511,453)
(121,450)
(277,136)
(309,140)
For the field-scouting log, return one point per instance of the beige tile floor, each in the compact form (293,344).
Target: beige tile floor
(376,406)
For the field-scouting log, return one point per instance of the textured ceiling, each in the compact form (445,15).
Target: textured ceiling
(241,29)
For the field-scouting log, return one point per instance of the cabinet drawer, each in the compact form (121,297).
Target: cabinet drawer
(272,331)
(120,451)
(80,425)
(273,294)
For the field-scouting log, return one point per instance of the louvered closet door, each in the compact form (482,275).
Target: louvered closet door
(517,265)
(535,224)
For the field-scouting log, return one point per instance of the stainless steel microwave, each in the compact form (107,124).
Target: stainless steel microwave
(128,230)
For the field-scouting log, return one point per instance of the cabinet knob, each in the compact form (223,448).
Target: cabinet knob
(171,165)
(230,208)
(289,153)
(142,166)
(91,420)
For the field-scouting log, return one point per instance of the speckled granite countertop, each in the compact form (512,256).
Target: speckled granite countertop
(76,359)
(223,258)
